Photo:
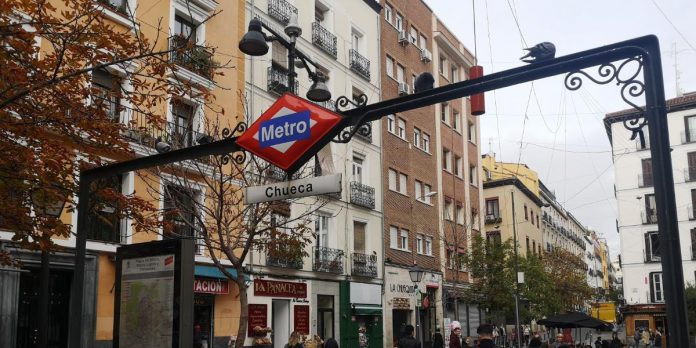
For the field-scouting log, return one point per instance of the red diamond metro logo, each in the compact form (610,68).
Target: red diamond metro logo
(287,130)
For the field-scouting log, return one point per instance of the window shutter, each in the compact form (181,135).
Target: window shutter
(648,253)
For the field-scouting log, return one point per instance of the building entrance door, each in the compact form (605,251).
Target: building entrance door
(281,323)
(203,320)
(27,314)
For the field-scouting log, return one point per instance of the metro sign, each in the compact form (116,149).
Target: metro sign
(288,129)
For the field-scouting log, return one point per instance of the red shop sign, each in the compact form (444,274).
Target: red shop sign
(279,289)
(302,319)
(258,316)
(211,286)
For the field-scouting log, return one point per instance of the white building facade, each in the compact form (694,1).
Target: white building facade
(342,273)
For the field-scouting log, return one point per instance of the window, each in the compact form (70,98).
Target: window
(414,35)
(426,142)
(656,291)
(690,126)
(279,55)
(321,230)
(493,237)
(105,93)
(457,166)
(455,74)
(179,211)
(646,164)
(325,315)
(403,181)
(104,224)
(526,213)
(388,13)
(471,136)
(419,244)
(537,220)
(355,40)
(460,214)
(442,66)
(402,129)
(462,264)
(531,213)
(429,246)
(650,209)
(449,210)
(652,247)
(416,137)
(527,246)
(399,73)
(446,160)
(534,248)
(487,173)
(444,113)
(456,124)
(691,163)
(393,237)
(427,189)
(184,28)
(399,24)
(423,42)
(358,169)
(390,66)
(359,236)
(392,179)
(390,123)
(473,177)
(404,239)
(182,127)
(418,193)
(492,209)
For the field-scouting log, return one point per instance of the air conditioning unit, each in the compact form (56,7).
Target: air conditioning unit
(403,88)
(426,56)
(403,38)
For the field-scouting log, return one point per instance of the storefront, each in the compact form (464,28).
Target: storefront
(402,299)
(470,316)
(362,324)
(645,316)
(213,303)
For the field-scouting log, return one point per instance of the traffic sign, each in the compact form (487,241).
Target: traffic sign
(293,189)
(288,129)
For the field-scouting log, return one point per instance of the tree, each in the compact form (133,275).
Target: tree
(50,110)
(204,201)
(567,273)
(456,237)
(537,289)
(690,292)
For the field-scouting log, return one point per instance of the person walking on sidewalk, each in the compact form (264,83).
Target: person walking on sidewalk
(455,337)
(485,333)
(407,340)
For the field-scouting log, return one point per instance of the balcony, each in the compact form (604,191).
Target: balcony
(688,136)
(281,256)
(648,218)
(118,6)
(328,260)
(324,39)
(493,219)
(362,195)
(645,180)
(364,265)
(281,10)
(359,64)
(278,81)
(690,174)
(329,104)
(639,147)
(188,55)
(274,173)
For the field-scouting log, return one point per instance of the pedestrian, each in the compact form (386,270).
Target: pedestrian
(455,340)
(526,331)
(598,342)
(407,340)
(535,342)
(636,338)
(658,338)
(331,343)
(652,339)
(615,341)
(466,342)
(438,341)
(645,338)
(295,341)
(559,341)
(485,336)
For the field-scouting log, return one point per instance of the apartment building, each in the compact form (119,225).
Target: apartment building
(637,222)
(560,228)
(340,282)
(430,166)
(186,117)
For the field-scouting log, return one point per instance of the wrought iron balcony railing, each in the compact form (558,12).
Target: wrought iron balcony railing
(275,173)
(118,6)
(648,218)
(195,58)
(645,180)
(281,10)
(274,258)
(328,260)
(278,81)
(362,195)
(493,219)
(329,104)
(324,39)
(364,265)
(359,64)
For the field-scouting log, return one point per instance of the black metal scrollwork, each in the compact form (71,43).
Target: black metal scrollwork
(630,88)
(239,157)
(364,129)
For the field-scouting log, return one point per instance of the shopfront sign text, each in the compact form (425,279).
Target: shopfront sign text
(279,289)
(211,286)
(301,315)
(258,317)
(401,288)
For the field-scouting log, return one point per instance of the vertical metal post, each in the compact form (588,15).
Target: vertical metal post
(78,283)
(517,270)
(44,299)
(291,66)
(660,151)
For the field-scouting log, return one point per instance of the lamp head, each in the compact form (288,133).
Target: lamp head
(254,42)
(293,29)
(416,274)
(318,92)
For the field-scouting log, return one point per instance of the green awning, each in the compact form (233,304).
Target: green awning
(367,310)
(214,272)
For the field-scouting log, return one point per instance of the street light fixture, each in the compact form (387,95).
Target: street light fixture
(416,274)
(255,43)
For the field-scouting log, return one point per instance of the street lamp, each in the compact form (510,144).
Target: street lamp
(255,43)
(416,274)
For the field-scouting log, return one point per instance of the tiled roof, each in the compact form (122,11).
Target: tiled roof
(687,99)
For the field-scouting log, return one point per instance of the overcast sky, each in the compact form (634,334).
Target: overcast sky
(562,135)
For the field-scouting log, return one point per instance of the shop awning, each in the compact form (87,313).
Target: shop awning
(214,272)
(367,310)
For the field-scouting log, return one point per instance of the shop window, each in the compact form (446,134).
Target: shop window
(325,316)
